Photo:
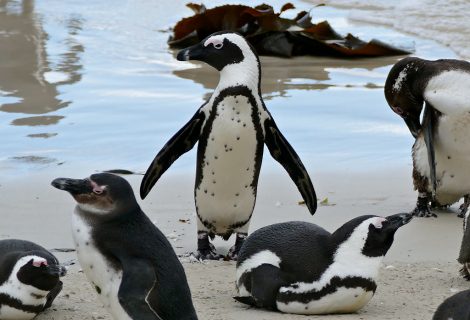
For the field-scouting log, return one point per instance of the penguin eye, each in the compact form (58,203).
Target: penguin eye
(218,45)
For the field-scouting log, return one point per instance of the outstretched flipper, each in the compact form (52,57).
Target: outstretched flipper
(183,141)
(283,153)
(139,279)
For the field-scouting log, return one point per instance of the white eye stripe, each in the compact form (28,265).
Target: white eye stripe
(217,43)
(378,223)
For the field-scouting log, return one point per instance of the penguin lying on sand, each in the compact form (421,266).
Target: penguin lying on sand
(29,279)
(232,128)
(299,267)
(441,152)
(129,262)
(456,307)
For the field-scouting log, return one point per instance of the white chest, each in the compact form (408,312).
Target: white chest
(226,194)
(343,300)
(102,276)
(452,153)
(9,313)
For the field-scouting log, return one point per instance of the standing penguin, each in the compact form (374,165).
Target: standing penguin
(29,279)
(456,307)
(299,267)
(129,262)
(464,255)
(441,152)
(232,128)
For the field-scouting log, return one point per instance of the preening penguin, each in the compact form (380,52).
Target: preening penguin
(129,262)
(232,128)
(441,152)
(29,279)
(299,267)
(456,307)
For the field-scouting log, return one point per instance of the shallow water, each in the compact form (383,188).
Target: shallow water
(94,87)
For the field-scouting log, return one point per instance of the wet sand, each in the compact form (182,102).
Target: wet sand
(419,272)
(331,110)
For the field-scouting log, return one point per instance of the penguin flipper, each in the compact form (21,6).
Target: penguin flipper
(138,281)
(282,152)
(183,141)
(266,280)
(53,294)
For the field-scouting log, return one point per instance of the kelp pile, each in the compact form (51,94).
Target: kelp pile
(273,35)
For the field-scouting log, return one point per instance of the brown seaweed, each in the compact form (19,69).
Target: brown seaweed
(272,35)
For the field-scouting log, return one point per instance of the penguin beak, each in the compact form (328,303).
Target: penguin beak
(195,52)
(74,186)
(413,124)
(398,220)
(57,270)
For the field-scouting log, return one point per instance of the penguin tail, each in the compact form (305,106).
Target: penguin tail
(246,300)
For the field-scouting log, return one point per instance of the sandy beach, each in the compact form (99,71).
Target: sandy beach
(418,273)
(107,93)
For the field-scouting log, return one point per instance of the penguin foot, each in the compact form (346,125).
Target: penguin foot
(208,254)
(464,206)
(464,272)
(233,252)
(423,212)
(438,206)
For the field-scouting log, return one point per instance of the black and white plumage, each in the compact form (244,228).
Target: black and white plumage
(128,260)
(441,152)
(29,279)
(464,255)
(456,307)
(231,128)
(299,267)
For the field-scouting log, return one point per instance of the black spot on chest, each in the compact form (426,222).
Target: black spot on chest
(235,91)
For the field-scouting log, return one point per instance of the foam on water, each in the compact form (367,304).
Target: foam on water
(447,22)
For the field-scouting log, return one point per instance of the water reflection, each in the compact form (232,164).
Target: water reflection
(279,75)
(26,71)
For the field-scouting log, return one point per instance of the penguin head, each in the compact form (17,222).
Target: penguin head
(38,272)
(100,194)
(228,52)
(402,93)
(371,235)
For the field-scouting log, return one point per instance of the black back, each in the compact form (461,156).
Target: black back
(457,307)
(135,235)
(305,249)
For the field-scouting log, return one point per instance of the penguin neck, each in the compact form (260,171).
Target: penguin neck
(246,73)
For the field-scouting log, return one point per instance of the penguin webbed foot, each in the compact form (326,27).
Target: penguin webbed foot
(204,254)
(464,207)
(205,249)
(235,249)
(422,208)
(464,272)
(423,212)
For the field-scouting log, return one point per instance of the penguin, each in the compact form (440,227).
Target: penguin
(231,128)
(464,255)
(29,279)
(299,267)
(441,151)
(125,257)
(456,307)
